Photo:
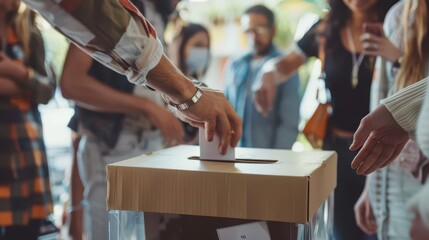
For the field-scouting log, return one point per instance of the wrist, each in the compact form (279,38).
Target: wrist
(185,92)
(189,102)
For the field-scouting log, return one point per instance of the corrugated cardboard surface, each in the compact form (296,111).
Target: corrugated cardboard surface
(290,190)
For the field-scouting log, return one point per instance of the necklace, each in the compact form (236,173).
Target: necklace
(357,61)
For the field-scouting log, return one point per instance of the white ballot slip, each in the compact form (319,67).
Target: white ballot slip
(210,150)
(249,231)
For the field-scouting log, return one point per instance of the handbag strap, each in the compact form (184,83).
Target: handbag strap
(322,55)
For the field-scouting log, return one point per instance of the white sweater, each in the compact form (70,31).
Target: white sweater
(406,106)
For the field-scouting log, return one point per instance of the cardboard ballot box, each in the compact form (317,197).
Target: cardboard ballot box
(279,187)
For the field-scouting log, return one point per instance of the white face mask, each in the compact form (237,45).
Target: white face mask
(198,59)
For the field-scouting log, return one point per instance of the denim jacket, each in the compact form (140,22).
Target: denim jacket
(280,128)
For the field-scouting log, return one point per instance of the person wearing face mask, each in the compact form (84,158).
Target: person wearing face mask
(280,128)
(190,52)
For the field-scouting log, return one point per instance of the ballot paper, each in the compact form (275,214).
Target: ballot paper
(210,150)
(249,231)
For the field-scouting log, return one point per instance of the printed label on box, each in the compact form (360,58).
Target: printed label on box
(249,231)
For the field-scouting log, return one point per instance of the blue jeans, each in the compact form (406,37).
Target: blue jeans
(349,187)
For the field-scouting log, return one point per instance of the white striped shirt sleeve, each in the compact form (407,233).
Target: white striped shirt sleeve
(405,105)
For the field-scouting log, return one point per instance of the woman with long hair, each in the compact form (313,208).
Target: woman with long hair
(348,79)
(25,196)
(404,60)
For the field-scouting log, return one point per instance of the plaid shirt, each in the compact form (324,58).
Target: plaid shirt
(113,32)
(25,193)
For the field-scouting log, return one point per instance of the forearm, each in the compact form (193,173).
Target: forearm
(168,79)
(128,45)
(76,183)
(96,96)
(8,88)
(405,105)
(286,66)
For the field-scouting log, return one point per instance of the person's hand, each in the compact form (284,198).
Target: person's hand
(168,124)
(375,43)
(364,215)
(381,139)
(419,230)
(265,92)
(215,114)
(10,69)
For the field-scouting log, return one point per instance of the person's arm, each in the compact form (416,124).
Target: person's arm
(383,133)
(8,88)
(274,72)
(129,45)
(279,70)
(405,105)
(32,78)
(420,226)
(364,214)
(75,214)
(422,132)
(43,82)
(90,93)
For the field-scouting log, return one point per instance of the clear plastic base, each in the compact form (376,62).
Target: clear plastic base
(155,226)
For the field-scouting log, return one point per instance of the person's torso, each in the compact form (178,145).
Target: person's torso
(260,131)
(349,104)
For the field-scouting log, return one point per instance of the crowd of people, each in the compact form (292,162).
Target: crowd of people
(125,79)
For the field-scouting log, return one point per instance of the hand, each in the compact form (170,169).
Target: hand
(364,215)
(12,70)
(265,92)
(382,140)
(378,44)
(168,124)
(419,230)
(216,115)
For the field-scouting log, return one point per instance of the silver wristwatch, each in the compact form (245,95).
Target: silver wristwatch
(194,99)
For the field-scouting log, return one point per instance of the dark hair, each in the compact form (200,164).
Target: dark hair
(261,9)
(186,33)
(339,14)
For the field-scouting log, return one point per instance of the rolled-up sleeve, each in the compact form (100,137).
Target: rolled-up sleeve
(113,32)
(405,105)
(423,129)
